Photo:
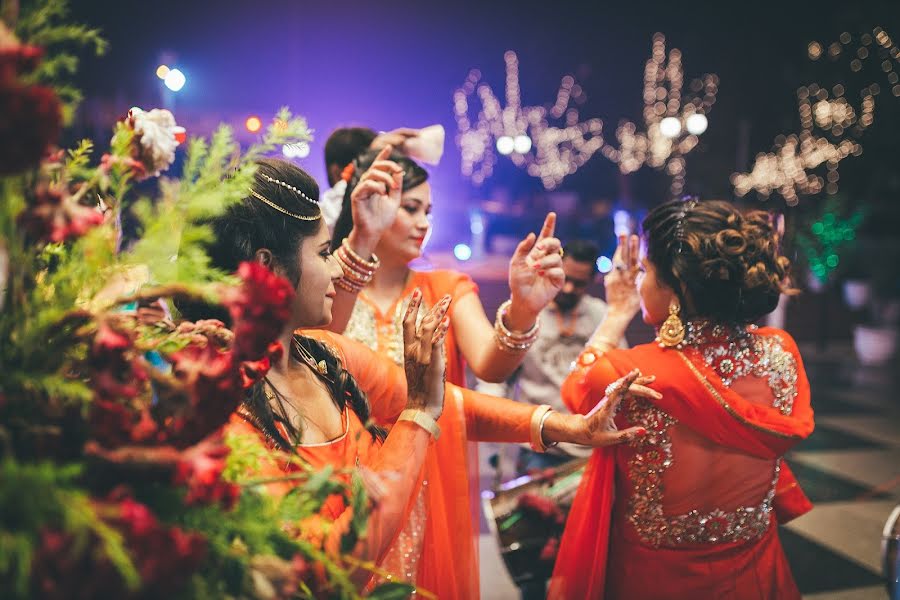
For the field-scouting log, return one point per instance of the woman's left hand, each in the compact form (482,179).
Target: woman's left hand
(598,427)
(535,271)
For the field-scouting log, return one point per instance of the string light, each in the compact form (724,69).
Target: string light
(557,151)
(550,152)
(662,144)
(830,127)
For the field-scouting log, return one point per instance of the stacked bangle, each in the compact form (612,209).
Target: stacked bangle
(513,341)
(538,418)
(422,419)
(358,272)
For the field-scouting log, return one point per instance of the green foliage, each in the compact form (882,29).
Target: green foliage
(826,236)
(56,295)
(43,23)
(39,496)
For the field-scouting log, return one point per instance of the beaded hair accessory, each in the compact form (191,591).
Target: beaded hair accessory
(688,204)
(291,188)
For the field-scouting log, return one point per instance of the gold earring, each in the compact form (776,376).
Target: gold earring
(671,334)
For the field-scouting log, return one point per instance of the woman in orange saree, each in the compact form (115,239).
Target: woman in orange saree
(690,510)
(372,315)
(325,397)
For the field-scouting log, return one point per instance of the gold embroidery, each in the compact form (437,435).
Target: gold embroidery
(652,457)
(718,397)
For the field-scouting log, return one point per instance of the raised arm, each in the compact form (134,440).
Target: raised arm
(374,203)
(535,277)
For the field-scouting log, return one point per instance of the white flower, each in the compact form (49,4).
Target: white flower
(155,132)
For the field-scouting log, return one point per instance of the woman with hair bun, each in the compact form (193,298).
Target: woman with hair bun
(690,510)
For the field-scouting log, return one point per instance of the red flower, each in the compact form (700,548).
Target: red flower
(541,506)
(32,116)
(259,309)
(115,371)
(53,216)
(550,550)
(212,381)
(165,557)
(253,371)
(200,469)
(107,161)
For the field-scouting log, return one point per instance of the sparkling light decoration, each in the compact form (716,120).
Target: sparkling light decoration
(558,151)
(524,133)
(668,115)
(830,125)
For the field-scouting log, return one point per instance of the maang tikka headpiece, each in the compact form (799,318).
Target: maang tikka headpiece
(291,188)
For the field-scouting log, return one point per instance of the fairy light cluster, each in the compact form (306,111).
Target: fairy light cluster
(830,124)
(672,123)
(549,151)
(553,143)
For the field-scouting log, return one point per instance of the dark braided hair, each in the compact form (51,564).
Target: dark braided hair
(727,263)
(239,232)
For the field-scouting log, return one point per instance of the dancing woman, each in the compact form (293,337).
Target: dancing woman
(689,510)
(324,400)
(493,351)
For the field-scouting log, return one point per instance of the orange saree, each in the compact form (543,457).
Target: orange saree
(452,465)
(690,509)
(448,565)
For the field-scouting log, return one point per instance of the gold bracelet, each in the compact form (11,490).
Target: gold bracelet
(359,261)
(513,341)
(422,419)
(538,417)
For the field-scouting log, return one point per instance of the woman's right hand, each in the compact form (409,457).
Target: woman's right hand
(423,355)
(374,201)
(621,290)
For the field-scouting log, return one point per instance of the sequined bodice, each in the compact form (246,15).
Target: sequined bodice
(365,327)
(732,353)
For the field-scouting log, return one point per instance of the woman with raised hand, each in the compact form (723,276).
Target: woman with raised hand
(325,401)
(690,510)
(369,308)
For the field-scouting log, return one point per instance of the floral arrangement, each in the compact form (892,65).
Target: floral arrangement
(115,478)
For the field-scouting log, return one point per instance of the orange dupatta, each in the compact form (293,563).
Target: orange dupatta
(449,564)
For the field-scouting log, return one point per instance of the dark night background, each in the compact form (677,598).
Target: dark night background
(397,62)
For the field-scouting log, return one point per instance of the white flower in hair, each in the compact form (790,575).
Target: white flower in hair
(155,131)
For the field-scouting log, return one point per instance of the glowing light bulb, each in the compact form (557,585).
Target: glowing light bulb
(253,124)
(522,144)
(462,252)
(696,123)
(175,80)
(670,127)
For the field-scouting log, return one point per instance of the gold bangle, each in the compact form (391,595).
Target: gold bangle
(370,265)
(538,417)
(422,419)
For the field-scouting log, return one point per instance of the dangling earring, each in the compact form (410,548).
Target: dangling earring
(671,334)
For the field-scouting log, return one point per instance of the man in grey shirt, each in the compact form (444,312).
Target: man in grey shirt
(567,324)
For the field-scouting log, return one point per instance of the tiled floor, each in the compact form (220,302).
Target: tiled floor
(850,469)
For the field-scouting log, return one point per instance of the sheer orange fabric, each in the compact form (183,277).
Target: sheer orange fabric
(452,468)
(397,461)
(448,566)
(689,510)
